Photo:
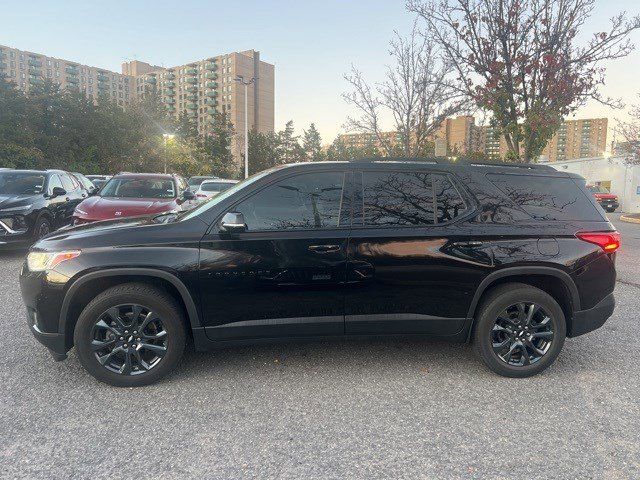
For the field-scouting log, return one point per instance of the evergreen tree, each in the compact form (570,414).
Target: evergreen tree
(312,144)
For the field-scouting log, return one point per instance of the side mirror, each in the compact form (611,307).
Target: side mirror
(233,222)
(188,195)
(58,192)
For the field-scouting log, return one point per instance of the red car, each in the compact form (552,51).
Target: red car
(134,194)
(607,200)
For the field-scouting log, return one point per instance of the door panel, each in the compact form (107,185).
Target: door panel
(411,268)
(272,285)
(285,274)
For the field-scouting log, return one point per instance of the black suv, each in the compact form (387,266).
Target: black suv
(513,257)
(34,203)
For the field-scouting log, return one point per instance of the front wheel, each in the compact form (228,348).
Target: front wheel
(130,335)
(520,330)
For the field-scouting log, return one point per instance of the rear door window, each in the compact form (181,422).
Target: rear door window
(546,198)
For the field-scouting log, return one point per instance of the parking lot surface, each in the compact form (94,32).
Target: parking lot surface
(347,409)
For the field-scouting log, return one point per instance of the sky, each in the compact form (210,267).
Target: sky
(312,43)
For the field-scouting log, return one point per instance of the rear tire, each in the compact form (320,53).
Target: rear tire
(510,345)
(109,345)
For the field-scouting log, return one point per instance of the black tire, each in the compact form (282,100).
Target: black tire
(610,210)
(494,304)
(156,300)
(41,227)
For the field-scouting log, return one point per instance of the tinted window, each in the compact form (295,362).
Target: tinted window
(448,200)
(397,198)
(547,198)
(139,188)
(215,186)
(21,183)
(67,183)
(306,201)
(54,181)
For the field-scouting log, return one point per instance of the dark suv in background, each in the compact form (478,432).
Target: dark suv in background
(36,202)
(513,257)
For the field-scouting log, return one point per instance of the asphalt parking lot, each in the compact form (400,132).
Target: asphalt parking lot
(359,409)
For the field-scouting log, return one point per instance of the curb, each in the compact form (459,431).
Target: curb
(627,219)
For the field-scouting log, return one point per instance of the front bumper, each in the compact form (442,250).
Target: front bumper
(55,342)
(585,321)
(609,204)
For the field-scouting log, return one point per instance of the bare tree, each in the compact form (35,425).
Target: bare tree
(630,133)
(520,59)
(418,93)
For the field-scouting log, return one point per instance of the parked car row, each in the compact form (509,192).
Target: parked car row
(34,203)
(513,257)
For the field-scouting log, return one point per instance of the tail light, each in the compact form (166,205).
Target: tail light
(608,241)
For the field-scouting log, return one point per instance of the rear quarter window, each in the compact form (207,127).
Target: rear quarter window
(546,198)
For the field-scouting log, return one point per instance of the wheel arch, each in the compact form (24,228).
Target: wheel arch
(87,286)
(553,281)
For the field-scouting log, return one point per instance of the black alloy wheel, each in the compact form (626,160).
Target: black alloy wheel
(519,330)
(43,227)
(130,335)
(129,339)
(522,334)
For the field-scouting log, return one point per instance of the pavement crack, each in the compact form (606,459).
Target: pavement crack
(624,282)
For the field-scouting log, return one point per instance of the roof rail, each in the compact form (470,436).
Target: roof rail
(459,161)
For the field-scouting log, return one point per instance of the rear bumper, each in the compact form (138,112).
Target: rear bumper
(585,321)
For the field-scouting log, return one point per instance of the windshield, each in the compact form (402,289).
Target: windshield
(597,189)
(215,186)
(197,180)
(21,183)
(213,201)
(139,188)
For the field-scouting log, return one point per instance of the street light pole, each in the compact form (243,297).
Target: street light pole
(240,78)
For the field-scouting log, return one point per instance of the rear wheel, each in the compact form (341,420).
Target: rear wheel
(610,209)
(130,335)
(520,330)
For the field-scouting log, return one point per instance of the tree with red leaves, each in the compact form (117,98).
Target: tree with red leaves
(521,60)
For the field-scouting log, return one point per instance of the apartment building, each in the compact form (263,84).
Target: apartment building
(198,89)
(28,70)
(577,139)
(202,88)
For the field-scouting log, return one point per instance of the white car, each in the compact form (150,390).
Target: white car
(210,188)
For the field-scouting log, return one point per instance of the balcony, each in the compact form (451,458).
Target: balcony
(191,71)
(211,101)
(150,80)
(211,93)
(34,71)
(72,69)
(3,65)
(211,75)
(170,84)
(170,76)
(212,84)
(211,66)
(192,114)
(33,62)
(169,100)
(36,81)
(192,80)
(192,89)
(73,80)
(192,106)
(170,108)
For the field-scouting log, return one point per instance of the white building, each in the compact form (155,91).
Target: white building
(613,173)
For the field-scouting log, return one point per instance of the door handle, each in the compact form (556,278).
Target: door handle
(467,244)
(324,248)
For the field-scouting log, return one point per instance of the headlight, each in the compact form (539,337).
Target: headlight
(81,212)
(15,209)
(41,261)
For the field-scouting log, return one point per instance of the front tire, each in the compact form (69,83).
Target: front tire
(130,335)
(520,330)
(41,227)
